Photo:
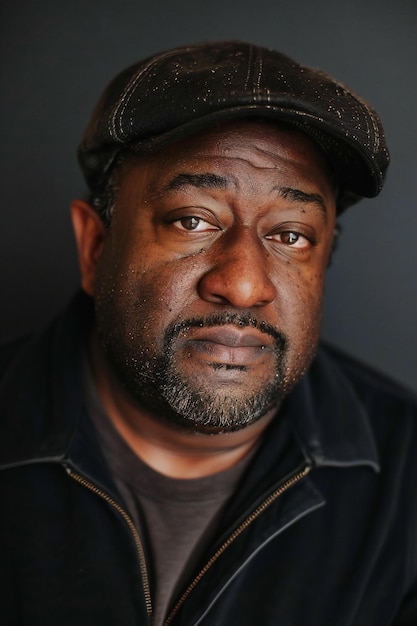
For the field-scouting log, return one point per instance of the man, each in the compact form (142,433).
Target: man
(175,449)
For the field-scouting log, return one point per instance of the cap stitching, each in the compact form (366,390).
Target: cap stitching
(125,98)
(258,81)
(364,111)
(357,105)
(362,108)
(248,73)
(112,119)
(374,122)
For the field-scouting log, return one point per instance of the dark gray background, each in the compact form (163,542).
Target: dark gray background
(56,58)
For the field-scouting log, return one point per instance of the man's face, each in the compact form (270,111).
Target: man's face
(209,285)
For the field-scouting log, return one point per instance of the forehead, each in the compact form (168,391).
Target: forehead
(251,150)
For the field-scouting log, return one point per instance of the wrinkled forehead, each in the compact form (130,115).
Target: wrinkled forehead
(260,144)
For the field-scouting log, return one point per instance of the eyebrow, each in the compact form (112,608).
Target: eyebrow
(208,181)
(296,195)
(214,181)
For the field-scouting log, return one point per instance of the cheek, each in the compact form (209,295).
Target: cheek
(300,318)
(142,293)
(300,303)
(165,289)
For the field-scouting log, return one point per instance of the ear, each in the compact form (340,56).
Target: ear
(90,234)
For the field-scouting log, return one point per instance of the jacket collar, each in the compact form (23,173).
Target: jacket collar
(329,419)
(44,419)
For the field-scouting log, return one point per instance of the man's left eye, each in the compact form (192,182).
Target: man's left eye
(291,238)
(194,223)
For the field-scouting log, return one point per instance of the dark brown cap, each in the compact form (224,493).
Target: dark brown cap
(182,91)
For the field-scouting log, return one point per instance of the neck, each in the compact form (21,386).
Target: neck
(167,448)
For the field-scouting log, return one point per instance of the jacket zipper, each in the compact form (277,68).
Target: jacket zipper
(260,509)
(139,548)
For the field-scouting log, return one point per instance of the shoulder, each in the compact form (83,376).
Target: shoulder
(389,408)
(41,389)
(30,352)
(374,388)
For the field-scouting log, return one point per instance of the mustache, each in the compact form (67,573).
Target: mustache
(240,320)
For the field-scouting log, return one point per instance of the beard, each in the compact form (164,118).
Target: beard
(154,380)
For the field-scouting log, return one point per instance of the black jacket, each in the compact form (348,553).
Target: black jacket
(322,530)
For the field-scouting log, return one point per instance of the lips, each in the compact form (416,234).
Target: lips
(229,345)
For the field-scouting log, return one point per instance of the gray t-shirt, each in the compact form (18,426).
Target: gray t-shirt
(176,518)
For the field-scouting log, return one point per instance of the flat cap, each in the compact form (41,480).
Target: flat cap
(179,92)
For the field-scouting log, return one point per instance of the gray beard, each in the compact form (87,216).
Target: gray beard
(155,384)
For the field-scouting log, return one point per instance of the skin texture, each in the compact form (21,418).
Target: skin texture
(208,288)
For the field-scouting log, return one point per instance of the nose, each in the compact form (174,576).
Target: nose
(239,275)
